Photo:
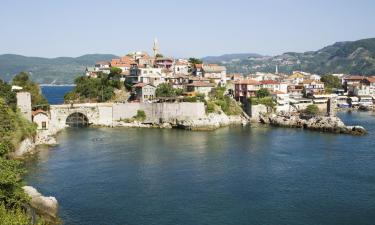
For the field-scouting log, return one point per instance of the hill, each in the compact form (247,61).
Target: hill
(230,57)
(61,70)
(355,57)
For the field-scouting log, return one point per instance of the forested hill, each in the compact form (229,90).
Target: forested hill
(356,57)
(62,70)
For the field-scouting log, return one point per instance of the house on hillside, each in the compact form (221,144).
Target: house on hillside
(245,89)
(144,92)
(200,87)
(216,73)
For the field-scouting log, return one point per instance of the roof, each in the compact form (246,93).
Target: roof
(278,93)
(102,63)
(201,84)
(269,82)
(296,75)
(36,112)
(214,68)
(354,78)
(311,81)
(371,79)
(248,82)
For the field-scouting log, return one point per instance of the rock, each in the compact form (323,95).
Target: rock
(319,123)
(46,207)
(211,122)
(26,146)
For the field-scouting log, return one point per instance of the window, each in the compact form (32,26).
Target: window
(44,125)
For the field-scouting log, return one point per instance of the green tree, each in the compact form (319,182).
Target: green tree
(159,55)
(166,90)
(331,82)
(23,80)
(8,95)
(262,93)
(312,110)
(195,61)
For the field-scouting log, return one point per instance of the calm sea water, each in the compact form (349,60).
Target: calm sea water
(55,94)
(236,175)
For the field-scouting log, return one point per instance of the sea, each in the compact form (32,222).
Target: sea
(234,175)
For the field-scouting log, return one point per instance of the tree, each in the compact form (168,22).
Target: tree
(195,61)
(8,95)
(115,73)
(262,93)
(159,55)
(166,90)
(331,82)
(312,110)
(22,79)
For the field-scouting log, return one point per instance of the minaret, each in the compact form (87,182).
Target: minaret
(277,70)
(156,47)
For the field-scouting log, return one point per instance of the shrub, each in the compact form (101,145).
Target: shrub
(312,110)
(262,93)
(141,115)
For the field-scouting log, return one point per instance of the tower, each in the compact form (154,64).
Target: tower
(277,70)
(155,47)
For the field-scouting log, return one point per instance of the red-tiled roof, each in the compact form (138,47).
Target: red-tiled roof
(278,92)
(36,112)
(371,79)
(269,82)
(354,77)
(248,82)
(139,85)
(201,84)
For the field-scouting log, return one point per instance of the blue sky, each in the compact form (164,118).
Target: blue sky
(50,28)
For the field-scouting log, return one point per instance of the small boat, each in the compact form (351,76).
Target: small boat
(364,108)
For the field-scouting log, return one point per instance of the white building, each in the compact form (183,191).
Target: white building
(42,119)
(216,73)
(153,76)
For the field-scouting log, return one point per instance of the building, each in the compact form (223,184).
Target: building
(274,86)
(24,104)
(282,101)
(198,70)
(41,118)
(181,67)
(124,63)
(200,87)
(313,87)
(164,63)
(296,77)
(245,89)
(144,92)
(216,73)
(350,82)
(295,90)
(153,76)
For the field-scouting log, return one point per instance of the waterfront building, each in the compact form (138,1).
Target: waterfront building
(313,87)
(245,89)
(144,92)
(41,118)
(282,101)
(274,86)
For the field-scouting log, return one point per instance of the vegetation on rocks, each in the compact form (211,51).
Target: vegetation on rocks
(312,110)
(219,100)
(13,129)
(100,89)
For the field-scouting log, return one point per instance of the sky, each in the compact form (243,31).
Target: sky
(193,28)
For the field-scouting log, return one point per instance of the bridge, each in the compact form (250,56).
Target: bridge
(105,114)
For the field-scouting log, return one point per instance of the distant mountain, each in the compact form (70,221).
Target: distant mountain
(61,70)
(230,57)
(351,57)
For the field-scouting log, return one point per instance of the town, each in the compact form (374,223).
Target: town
(289,92)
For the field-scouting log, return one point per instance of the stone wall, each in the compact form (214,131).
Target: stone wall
(105,114)
(160,112)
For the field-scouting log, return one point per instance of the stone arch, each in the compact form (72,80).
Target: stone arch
(77,119)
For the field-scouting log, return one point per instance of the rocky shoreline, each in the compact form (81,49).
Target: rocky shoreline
(318,123)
